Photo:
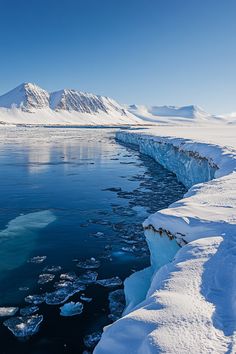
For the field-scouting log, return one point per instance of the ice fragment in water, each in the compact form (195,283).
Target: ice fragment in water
(37,259)
(89,277)
(8,311)
(71,309)
(68,276)
(92,339)
(28,310)
(86,299)
(110,283)
(52,269)
(23,288)
(35,299)
(116,304)
(91,263)
(63,293)
(24,326)
(45,278)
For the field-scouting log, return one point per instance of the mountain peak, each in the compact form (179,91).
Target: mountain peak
(26,96)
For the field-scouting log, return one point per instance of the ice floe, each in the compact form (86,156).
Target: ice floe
(89,277)
(91,263)
(24,326)
(116,304)
(35,299)
(29,310)
(92,339)
(45,278)
(37,259)
(111,282)
(8,311)
(52,269)
(71,309)
(84,298)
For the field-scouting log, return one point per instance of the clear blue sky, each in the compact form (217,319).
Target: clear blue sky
(158,52)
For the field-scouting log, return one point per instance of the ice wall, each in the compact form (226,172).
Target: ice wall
(190,303)
(189,167)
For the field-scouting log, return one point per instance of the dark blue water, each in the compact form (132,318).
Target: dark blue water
(71,184)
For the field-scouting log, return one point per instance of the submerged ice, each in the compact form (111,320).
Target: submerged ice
(24,326)
(21,233)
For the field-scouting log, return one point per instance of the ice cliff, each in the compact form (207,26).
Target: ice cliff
(184,302)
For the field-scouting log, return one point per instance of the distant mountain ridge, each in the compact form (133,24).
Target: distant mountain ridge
(155,113)
(30,97)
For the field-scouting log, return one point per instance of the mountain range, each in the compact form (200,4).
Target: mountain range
(31,104)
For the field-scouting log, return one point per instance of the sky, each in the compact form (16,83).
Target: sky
(153,52)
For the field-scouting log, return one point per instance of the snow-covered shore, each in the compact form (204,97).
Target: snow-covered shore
(190,303)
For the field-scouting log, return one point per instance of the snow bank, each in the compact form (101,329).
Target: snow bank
(190,303)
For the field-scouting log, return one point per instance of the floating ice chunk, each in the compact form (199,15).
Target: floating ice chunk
(116,304)
(8,311)
(92,339)
(71,309)
(52,269)
(24,326)
(29,310)
(58,297)
(23,288)
(35,299)
(89,277)
(45,278)
(63,293)
(111,282)
(91,263)
(63,284)
(68,276)
(37,259)
(86,299)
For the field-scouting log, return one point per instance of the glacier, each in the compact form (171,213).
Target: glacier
(185,302)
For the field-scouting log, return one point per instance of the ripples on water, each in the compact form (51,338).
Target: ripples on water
(69,195)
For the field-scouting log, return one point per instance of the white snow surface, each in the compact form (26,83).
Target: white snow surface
(167,114)
(190,304)
(30,104)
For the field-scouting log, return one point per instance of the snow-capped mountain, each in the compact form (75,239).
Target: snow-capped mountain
(161,113)
(30,104)
(72,100)
(27,97)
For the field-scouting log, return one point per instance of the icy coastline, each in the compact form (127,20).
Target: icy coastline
(185,301)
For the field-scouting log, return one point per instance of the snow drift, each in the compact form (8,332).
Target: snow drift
(185,302)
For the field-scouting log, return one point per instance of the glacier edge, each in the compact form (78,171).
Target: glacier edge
(181,299)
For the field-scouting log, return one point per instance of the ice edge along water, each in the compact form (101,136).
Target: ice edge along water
(185,302)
